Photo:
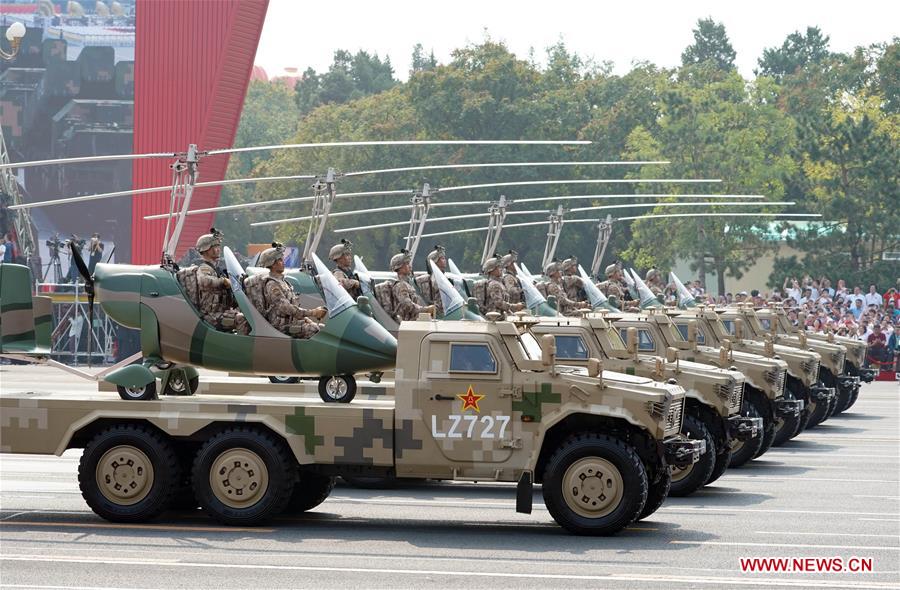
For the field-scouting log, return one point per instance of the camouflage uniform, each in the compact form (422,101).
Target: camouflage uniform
(513,288)
(215,300)
(283,312)
(556,288)
(345,275)
(654,282)
(428,288)
(407,303)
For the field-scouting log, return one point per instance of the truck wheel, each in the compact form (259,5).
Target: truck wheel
(128,473)
(767,436)
(744,450)
(337,389)
(818,414)
(657,494)
(786,427)
(177,386)
(844,397)
(723,458)
(283,379)
(688,480)
(853,397)
(243,476)
(145,392)
(594,484)
(309,491)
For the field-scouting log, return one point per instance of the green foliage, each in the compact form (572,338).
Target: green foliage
(348,78)
(711,47)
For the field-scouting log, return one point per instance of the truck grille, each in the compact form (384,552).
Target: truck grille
(732,394)
(811,368)
(672,418)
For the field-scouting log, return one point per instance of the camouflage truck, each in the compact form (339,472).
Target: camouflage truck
(713,395)
(699,334)
(471,401)
(854,373)
(764,380)
(831,358)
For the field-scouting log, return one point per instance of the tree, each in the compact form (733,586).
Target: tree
(349,77)
(421,62)
(725,130)
(711,47)
(796,53)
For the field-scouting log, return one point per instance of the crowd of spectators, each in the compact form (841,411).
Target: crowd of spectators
(872,317)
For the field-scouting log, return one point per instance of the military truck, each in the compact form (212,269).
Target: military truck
(713,395)
(471,401)
(831,358)
(854,373)
(763,388)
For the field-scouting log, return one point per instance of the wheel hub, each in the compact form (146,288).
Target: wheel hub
(136,391)
(336,388)
(679,473)
(239,478)
(176,384)
(593,487)
(124,475)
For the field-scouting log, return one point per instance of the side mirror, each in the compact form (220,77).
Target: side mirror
(548,350)
(723,352)
(770,346)
(631,343)
(671,355)
(802,337)
(659,369)
(739,328)
(692,333)
(830,337)
(773,325)
(594,367)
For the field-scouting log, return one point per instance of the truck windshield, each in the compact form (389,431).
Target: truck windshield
(615,341)
(530,346)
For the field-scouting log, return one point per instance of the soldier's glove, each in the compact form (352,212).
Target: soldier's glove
(519,306)
(226,281)
(429,309)
(354,284)
(319,312)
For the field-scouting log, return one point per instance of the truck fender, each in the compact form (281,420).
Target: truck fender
(131,376)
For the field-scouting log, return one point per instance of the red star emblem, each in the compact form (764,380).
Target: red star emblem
(470,400)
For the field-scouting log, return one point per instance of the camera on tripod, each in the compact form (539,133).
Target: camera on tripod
(79,242)
(54,244)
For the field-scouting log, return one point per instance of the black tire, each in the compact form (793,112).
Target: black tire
(604,456)
(723,458)
(283,379)
(176,386)
(248,460)
(844,396)
(144,393)
(818,414)
(804,416)
(853,398)
(657,494)
(339,389)
(768,433)
(786,427)
(128,473)
(309,491)
(743,451)
(690,479)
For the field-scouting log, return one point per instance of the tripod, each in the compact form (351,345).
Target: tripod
(54,264)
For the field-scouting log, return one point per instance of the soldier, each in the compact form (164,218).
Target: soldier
(214,298)
(654,281)
(510,277)
(571,281)
(553,271)
(427,285)
(342,255)
(407,303)
(496,298)
(613,286)
(281,309)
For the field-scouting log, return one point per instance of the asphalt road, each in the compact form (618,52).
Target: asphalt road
(832,492)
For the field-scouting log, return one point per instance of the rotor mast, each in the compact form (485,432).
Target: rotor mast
(421,203)
(22,222)
(603,235)
(325,193)
(556,223)
(497,212)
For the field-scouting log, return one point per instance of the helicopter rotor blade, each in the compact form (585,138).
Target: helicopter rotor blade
(78,261)
(434,220)
(669,215)
(83,159)
(294,146)
(581,181)
(502,165)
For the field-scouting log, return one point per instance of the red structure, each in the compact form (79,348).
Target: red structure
(193,62)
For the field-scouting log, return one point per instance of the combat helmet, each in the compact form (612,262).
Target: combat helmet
(611,268)
(401,258)
(491,264)
(338,250)
(651,274)
(568,263)
(552,267)
(271,255)
(207,241)
(509,258)
(437,252)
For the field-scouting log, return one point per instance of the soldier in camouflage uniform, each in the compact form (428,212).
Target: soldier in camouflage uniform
(613,286)
(555,287)
(510,277)
(282,310)
(426,283)
(496,299)
(215,299)
(342,255)
(571,281)
(654,281)
(407,303)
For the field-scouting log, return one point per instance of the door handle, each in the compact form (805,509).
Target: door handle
(448,398)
